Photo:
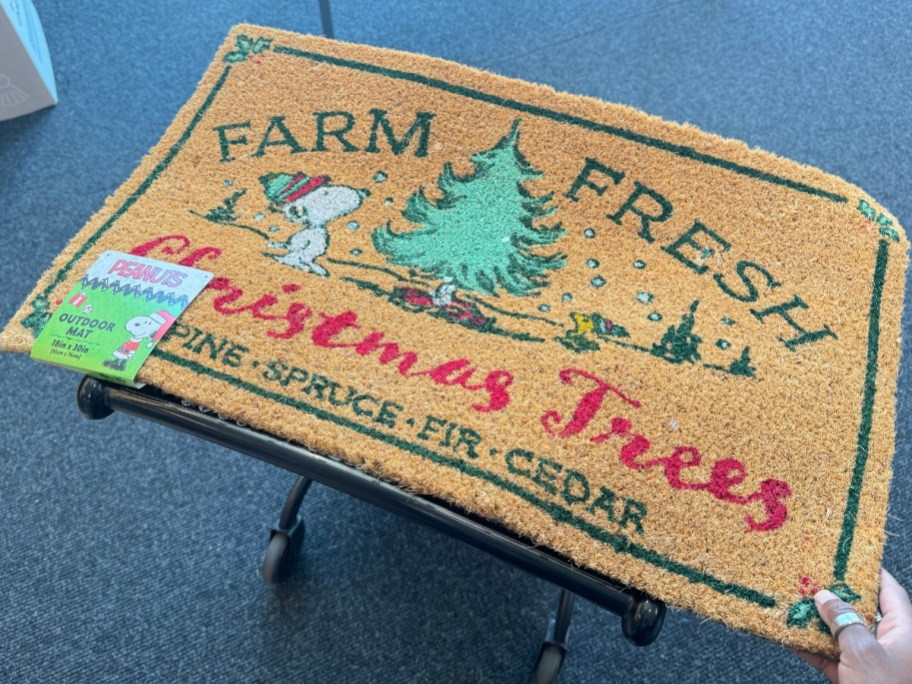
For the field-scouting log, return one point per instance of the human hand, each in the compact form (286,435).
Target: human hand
(868,659)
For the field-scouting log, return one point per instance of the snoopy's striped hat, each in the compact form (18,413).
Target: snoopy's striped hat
(283,188)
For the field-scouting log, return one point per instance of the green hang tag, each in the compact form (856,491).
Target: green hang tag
(109,323)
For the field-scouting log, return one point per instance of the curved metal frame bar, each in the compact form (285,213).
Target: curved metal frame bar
(642,616)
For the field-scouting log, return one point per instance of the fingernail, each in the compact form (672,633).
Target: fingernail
(823,596)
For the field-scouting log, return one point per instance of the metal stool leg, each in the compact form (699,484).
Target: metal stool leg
(326,18)
(285,540)
(554,647)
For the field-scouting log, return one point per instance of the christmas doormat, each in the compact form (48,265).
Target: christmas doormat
(666,356)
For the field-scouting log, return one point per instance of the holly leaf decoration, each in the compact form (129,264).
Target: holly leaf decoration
(261,45)
(801,613)
(244,43)
(867,210)
(885,224)
(235,56)
(845,592)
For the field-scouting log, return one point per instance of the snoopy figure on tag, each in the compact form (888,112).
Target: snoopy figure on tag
(152,327)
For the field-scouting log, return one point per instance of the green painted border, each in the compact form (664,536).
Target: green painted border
(558,513)
(562,117)
(145,185)
(844,546)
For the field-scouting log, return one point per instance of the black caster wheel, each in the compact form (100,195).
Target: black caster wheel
(549,664)
(282,553)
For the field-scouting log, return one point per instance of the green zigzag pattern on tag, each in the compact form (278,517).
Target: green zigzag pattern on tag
(246,47)
(803,613)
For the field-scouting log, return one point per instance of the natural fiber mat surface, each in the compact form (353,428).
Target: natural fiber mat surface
(661,354)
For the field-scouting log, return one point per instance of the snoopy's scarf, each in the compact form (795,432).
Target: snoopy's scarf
(665,356)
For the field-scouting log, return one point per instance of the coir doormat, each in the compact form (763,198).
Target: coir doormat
(664,355)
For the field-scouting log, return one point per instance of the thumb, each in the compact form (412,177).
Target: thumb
(860,649)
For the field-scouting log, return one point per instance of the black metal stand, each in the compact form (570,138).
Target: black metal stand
(641,616)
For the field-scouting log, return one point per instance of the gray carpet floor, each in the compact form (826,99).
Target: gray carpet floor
(130,553)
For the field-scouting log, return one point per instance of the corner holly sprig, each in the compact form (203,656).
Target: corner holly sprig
(246,47)
(804,611)
(883,222)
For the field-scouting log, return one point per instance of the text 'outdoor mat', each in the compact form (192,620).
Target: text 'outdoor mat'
(663,355)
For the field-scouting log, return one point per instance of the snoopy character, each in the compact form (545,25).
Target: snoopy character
(310,202)
(152,327)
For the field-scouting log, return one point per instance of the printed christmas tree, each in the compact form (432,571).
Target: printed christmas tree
(479,236)
(680,344)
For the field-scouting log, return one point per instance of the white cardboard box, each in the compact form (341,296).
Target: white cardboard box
(26,75)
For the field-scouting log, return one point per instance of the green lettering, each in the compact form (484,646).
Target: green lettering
(389,411)
(634,512)
(582,180)
(519,453)
(232,356)
(338,133)
(176,330)
(189,343)
(432,424)
(469,438)
(604,502)
(752,294)
(422,123)
(319,384)
(572,477)
(639,190)
(277,123)
(294,375)
(546,474)
(274,370)
(225,142)
(358,409)
(782,310)
(209,341)
(687,239)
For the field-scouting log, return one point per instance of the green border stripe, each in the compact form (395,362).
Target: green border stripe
(844,547)
(562,117)
(141,190)
(558,513)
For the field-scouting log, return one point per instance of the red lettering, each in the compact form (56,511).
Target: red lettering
(441,374)
(390,351)
(196,255)
(674,464)
(770,493)
(456,372)
(146,247)
(636,447)
(296,315)
(496,384)
(588,405)
(724,475)
(331,326)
